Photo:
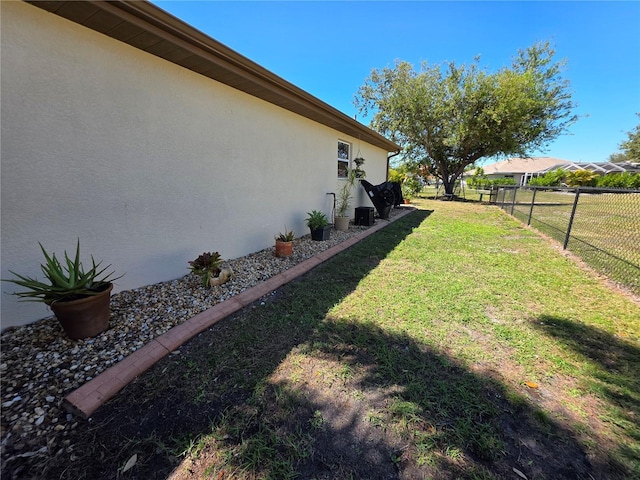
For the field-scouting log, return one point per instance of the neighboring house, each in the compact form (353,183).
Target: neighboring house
(152,142)
(604,168)
(521,170)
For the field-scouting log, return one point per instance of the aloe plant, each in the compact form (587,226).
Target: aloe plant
(67,280)
(287,236)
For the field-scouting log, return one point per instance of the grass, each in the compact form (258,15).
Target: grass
(604,233)
(455,343)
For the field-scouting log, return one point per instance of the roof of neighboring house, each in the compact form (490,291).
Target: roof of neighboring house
(602,168)
(149,28)
(524,165)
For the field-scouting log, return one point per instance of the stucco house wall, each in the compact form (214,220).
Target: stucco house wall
(147,162)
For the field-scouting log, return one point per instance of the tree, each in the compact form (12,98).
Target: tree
(631,147)
(446,116)
(618,158)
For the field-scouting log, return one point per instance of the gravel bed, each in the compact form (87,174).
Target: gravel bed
(40,365)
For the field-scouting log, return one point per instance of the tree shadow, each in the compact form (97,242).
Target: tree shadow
(175,401)
(449,422)
(399,409)
(615,376)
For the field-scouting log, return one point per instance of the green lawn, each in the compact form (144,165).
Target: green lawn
(462,314)
(455,343)
(605,232)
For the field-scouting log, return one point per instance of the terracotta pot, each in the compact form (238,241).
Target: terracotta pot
(85,317)
(342,223)
(283,249)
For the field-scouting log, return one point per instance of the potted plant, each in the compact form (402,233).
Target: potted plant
(359,161)
(79,299)
(344,195)
(319,225)
(407,193)
(209,268)
(284,244)
(341,218)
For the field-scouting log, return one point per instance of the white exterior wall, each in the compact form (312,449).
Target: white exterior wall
(148,163)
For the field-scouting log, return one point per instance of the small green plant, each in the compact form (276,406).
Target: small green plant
(206,266)
(317,421)
(344,194)
(287,236)
(360,173)
(67,281)
(316,219)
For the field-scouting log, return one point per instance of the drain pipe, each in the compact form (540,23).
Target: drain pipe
(333,212)
(389,158)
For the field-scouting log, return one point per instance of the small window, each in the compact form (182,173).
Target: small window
(344,154)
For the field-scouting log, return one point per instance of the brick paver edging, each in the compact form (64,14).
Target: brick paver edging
(86,399)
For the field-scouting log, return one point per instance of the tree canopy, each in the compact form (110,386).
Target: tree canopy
(447,116)
(631,147)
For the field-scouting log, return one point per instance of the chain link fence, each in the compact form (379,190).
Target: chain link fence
(602,226)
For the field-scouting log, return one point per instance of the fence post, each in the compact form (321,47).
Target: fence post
(533,201)
(573,214)
(513,201)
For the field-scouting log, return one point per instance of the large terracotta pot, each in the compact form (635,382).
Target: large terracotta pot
(85,317)
(283,249)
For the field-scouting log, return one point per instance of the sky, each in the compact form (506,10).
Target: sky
(329,48)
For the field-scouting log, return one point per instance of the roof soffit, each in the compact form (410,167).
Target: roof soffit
(151,29)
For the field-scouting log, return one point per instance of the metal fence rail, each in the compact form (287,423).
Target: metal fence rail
(602,226)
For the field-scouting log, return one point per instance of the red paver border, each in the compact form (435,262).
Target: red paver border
(85,400)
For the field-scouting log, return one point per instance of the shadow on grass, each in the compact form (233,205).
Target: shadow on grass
(402,410)
(615,375)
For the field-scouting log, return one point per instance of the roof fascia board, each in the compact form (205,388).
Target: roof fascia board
(229,67)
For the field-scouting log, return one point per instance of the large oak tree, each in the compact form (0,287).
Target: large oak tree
(631,146)
(448,116)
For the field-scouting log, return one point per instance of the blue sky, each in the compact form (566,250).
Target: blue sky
(329,48)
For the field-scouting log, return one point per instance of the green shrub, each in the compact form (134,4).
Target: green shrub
(411,186)
(620,180)
(582,178)
(502,181)
(553,178)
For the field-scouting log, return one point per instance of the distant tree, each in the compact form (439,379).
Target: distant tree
(618,158)
(447,116)
(631,147)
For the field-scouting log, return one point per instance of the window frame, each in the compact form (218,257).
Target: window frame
(344,163)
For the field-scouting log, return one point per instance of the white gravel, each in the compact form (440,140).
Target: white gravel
(40,365)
